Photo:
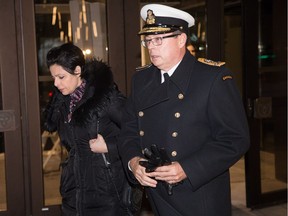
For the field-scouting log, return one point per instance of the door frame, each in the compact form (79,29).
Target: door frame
(31,132)
(11,100)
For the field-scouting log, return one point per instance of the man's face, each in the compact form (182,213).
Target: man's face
(165,51)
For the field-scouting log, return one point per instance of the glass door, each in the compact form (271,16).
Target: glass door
(265,62)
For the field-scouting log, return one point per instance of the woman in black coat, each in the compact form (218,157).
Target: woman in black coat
(86,111)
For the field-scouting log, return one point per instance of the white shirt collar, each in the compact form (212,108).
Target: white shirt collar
(170,72)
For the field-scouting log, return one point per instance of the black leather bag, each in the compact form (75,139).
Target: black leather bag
(132,198)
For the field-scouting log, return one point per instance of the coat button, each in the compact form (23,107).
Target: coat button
(174,134)
(174,153)
(177,115)
(141,113)
(180,96)
(141,133)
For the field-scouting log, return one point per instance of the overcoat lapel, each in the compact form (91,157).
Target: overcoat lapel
(155,93)
(183,74)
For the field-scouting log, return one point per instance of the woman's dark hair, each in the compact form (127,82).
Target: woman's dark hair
(67,55)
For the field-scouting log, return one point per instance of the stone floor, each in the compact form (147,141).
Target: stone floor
(52,197)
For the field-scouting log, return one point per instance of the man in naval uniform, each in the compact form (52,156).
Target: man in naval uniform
(196,116)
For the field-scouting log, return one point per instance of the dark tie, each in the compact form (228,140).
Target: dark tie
(166,77)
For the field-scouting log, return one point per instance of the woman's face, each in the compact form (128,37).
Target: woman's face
(64,81)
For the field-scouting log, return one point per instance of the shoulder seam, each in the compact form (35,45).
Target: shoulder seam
(143,67)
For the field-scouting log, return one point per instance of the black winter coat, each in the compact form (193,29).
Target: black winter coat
(86,186)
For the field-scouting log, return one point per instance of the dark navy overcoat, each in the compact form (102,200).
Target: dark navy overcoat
(198,117)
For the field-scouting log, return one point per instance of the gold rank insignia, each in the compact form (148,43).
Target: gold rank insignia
(143,67)
(226,77)
(210,62)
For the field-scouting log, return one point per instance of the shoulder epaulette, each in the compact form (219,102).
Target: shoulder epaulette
(210,62)
(143,67)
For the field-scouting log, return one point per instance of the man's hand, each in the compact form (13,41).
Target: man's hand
(171,174)
(140,174)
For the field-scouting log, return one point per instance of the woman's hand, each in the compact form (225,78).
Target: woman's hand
(98,145)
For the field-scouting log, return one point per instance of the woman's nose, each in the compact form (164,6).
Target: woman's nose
(55,82)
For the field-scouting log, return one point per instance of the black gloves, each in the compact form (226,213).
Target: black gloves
(155,157)
(52,113)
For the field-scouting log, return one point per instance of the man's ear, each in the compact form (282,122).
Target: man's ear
(182,39)
(77,70)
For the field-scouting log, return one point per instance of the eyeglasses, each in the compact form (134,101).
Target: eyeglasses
(157,41)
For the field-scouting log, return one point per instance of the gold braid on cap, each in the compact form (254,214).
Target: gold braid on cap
(154,29)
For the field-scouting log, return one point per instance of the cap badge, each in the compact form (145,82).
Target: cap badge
(150,17)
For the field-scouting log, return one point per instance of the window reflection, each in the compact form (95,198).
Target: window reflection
(197,35)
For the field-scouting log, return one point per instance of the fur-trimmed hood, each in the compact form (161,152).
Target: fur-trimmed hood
(98,74)
(100,85)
